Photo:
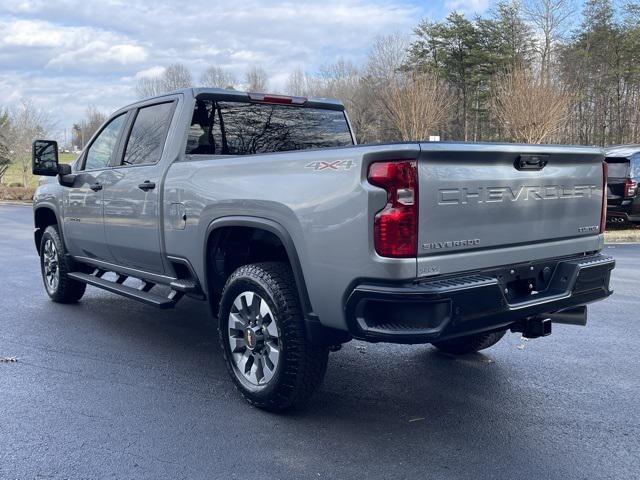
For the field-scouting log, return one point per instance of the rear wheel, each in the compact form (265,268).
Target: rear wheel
(55,269)
(262,337)
(470,343)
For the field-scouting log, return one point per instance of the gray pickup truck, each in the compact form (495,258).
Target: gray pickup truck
(300,240)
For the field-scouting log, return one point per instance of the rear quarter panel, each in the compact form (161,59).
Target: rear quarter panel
(319,196)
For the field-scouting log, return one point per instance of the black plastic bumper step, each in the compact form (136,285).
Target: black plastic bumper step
(126,291)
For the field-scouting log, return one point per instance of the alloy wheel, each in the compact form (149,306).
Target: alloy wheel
(254,340)
(50,262)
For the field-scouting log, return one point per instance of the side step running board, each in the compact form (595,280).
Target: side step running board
(188,287)
(143,294)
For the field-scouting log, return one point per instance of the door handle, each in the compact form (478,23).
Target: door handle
(96,187)
(147,185)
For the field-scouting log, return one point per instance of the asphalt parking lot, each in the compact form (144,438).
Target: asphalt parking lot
(110,388)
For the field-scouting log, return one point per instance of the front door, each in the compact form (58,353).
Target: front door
(132,199)
(83,202)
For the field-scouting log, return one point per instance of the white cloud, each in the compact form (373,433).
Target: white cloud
(24,6)
(246,56)
(99,53)
(150,72)
(468,6)
(25,33)
(72,53)
(66,46)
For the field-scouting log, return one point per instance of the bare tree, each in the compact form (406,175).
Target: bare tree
(5,158)
(174,77)
(83,131)
(550,18)
(340,79)
(94,119)
(385,61)
(529,109)
(344,80)
(297,83)
(257,79)
(26,123)
(149,87)
(217,77)
(417,104)
(387,56)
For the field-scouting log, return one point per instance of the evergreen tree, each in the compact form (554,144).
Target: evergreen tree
(451,48)
(593,64)
(468,54)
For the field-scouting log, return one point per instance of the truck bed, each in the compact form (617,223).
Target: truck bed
(324,202)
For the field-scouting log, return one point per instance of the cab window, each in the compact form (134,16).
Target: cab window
(146,141)
(101,150)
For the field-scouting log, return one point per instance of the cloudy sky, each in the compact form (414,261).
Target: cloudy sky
(64,55)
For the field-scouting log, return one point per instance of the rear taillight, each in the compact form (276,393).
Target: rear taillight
(630,188)
(603,211)
(396,225)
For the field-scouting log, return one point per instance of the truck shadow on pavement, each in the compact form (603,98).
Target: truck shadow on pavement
(411,385)
(411,382)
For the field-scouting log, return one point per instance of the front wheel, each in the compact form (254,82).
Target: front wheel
(55,268)
(262,336)
(470,343)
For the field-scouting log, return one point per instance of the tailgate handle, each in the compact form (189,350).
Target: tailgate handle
(531,162)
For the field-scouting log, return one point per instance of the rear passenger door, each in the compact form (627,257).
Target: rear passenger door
(132,201)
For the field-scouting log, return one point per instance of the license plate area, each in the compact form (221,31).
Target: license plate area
(525,281)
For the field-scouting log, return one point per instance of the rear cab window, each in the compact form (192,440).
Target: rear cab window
(245,128)
(148,134)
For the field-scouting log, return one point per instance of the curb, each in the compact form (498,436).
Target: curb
(15,202)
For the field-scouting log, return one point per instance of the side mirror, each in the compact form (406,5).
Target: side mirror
(44,158)
(64,169)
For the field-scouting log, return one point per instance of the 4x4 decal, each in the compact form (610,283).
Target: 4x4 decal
(335,165)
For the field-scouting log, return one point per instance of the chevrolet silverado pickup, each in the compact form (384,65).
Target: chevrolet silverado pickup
(300,240)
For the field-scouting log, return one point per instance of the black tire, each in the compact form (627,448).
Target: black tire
(469,344)
(300,366)
(65,289)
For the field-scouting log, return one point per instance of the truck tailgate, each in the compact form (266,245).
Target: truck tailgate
(492,196)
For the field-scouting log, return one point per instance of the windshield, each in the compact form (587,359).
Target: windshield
(242,128)
(618,167)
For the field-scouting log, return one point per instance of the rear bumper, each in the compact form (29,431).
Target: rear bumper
(629,212)
(461,305)
(621,217)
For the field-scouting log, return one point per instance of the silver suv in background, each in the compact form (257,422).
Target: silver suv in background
(623,196)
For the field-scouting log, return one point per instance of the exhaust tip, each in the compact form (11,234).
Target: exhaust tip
(572,316)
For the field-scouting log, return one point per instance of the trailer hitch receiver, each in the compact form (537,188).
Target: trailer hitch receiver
(533,327)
